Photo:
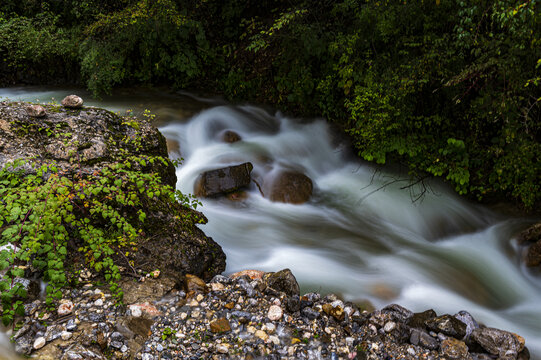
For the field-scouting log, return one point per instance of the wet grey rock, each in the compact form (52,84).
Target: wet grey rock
(147,357)
(283,281)
(116,344)
(221,280)
(222,181)
(72,101)
(293,303)
(497,342)
(23,330)
(24,344)
(310,313)
(448,325)
(95,317)
(418,319)
(470,322)
(79,352)
(246,286)
(71,325)
(398,313)
(421,338)
(53,332)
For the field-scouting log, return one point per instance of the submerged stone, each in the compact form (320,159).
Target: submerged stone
(222,181)
(291,187)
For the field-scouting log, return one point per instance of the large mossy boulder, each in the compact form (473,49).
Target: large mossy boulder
(80,143)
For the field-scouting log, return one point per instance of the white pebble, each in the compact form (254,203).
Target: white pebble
(39,343)
(222,348)
(390,326)
(65,308)
(66,335)
(275,313)
(98,302)
(136,311)
(274,339)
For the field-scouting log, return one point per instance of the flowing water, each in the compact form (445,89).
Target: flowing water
(365,234)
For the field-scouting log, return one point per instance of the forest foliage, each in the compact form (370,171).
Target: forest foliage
(449,88)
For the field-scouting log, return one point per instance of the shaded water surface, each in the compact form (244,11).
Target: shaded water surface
(360,235)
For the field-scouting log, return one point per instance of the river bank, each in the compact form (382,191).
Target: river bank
(249,315)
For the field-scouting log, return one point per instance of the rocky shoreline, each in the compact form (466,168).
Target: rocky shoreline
(248,315)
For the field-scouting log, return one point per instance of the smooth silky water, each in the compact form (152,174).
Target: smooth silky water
(364,234)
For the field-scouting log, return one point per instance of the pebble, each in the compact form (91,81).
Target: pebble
(261,334)
(36,111)
(65,308)
(72,101)
(275,313)
(222,348)
(212,328)
(390,326)
(39,343)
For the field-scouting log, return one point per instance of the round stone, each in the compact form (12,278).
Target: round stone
(36,111)
(72,101)
(275,313)
(261,334)
(65,308)
(39,343)
(389,326)
(65,335)
(222,348)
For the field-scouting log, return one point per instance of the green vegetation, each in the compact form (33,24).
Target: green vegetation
(448,88)
(56,222)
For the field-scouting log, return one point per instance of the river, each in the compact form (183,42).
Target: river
(364,235)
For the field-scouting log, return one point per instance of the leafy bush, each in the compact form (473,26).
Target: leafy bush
(150,42)
(35,44)
(56,223)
